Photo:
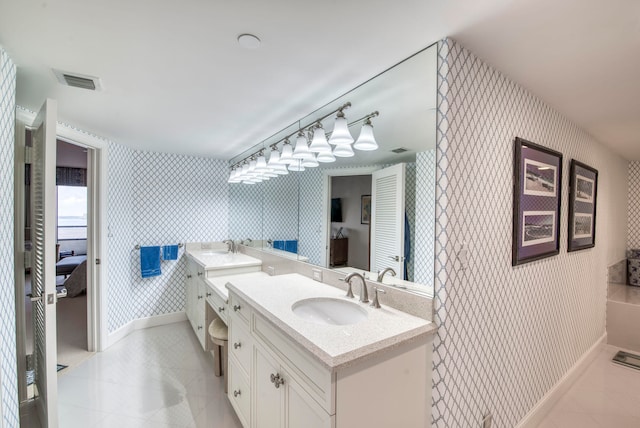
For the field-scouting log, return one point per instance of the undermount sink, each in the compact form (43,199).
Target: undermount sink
(330,311)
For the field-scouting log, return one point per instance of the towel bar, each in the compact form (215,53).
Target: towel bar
(137,247)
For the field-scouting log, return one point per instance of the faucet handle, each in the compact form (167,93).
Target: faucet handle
(349,289)
(376,303)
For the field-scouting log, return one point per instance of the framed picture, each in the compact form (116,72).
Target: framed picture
(537,186)
(365,209)
(583,187)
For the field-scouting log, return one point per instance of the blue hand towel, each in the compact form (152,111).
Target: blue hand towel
(170,252)
(278,245)
(291,246)
(150,261)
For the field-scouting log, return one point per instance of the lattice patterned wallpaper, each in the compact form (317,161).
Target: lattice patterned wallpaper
(506,335)
(633,238)
(159,199)
(9,409)
(425,198)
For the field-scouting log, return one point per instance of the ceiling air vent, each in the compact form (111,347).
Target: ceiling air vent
(400,150)
(78,80)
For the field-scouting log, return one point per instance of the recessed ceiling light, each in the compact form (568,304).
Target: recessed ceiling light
(249,41)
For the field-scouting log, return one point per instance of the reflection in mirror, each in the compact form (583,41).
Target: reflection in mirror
(386,197)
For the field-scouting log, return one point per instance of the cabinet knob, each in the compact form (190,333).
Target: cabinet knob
(236,308)
(199,296)
(277,380)
(236,393)
(237,345)
(199,273)
(199,327)
(189,276)
(221,309)
(208,294)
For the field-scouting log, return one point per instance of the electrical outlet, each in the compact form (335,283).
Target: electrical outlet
(271,270)
(487,421)
(317,275)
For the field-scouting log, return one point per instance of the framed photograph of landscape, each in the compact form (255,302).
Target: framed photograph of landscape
(537,187)
(583,189)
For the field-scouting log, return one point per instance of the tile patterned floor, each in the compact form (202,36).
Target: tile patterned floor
(157,377)
(606,395)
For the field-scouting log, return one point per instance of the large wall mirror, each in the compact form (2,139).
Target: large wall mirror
(368,212)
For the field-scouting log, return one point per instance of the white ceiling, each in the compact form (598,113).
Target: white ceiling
(175,79)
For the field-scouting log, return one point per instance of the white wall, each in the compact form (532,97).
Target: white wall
(9,406)
(507,334)
(350,189)
(158,199)
(633,205)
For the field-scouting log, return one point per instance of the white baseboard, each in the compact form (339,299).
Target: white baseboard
(542,409)
(141,323)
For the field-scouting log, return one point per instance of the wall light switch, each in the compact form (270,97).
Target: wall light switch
(271,270)
(317,275)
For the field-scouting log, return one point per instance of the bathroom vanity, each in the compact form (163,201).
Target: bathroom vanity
(302,354)
(203,263)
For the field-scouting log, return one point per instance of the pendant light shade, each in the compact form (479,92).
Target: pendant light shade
(261,164)
(343,151)
(275,165)
(319,142)
(326,157)
(341,134)
(366,140)
(287,153)
(302,149)
(310,162)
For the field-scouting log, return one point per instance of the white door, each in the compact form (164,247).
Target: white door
(43,269)
(387,219)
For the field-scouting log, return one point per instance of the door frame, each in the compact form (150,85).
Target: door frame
(327,174)
(97,168)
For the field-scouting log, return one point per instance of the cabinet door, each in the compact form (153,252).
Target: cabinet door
(267,398)
(301,410)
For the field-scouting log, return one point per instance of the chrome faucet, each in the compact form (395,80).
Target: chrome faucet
(247,242)
(364,295)
(383,272)
(231,245)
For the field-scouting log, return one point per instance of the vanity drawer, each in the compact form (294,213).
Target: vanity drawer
(239,393)
(217,303)
(239,310)
(240,346)
(316,380)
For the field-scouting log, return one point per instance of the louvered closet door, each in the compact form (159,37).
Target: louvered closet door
(43,269)
(387,219)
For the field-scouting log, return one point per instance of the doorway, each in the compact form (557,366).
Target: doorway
(350,222)
(78,236)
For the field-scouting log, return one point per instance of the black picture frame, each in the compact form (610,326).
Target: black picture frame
(365,209)
(537,196)
(583,196)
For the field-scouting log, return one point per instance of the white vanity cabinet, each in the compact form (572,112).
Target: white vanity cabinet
(281,384)
(195,301)
(203,265)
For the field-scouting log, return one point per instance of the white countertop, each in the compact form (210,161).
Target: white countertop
(335,346)
(214,260)
(218,283)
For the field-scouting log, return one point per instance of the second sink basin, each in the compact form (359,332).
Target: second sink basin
(327,310)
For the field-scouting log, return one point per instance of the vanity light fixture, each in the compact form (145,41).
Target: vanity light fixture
(311,148)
